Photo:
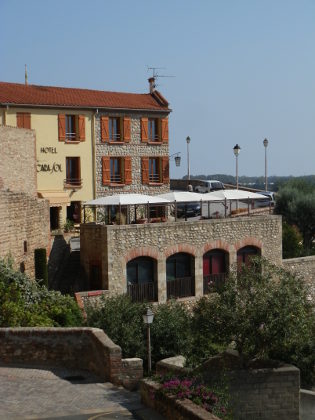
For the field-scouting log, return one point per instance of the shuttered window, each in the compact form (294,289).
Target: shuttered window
(116,170)
(23,119)
(71,128)
(155,170)
(154,130)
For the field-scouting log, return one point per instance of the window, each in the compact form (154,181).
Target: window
(71,128)
(153,129)
(73,172)
(114,129)
(155,170)
(245,254)
(23,119)
(116,170)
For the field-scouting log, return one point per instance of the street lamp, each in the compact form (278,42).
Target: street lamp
(236,150)
(265,143)
(188,162)
(177,158)
(148,319)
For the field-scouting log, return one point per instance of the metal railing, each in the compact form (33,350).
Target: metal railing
(114,137)
(72,183)
(154,137)
(213,283)
(180,287)
(144,292)
(116,178)
(154,178)
(71,136)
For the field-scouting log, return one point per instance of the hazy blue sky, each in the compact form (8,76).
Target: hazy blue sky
(245,69)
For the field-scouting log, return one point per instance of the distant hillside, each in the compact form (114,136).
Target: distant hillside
(274,182)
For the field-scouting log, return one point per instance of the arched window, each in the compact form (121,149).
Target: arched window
(141,279)
(215,263)
(245,254)
(180,275)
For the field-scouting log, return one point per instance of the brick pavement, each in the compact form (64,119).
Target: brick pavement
(36,393)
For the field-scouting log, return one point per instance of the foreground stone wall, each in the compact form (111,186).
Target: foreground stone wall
(304,268)
(18,159)
(114,246)
(75,348)
(24,226)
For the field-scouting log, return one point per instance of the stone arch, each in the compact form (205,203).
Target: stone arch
(250,241)
(179,248)
(144,251)
(218,244)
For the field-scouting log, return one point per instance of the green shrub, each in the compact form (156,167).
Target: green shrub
(24,303)
(41,271)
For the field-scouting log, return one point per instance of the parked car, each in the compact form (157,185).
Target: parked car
(270,199)
(209,185)
(192,209)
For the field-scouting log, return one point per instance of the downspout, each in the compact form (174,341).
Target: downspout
(94,154)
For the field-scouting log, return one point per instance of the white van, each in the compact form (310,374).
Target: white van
(209,185)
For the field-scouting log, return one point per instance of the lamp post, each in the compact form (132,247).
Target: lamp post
(177,158)
(148,319)
(236,150)
(265,143)
(188,162)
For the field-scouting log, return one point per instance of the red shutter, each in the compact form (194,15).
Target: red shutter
(62,127)
(144,129)
(165,169)
(128,171)
(145,170)
(19,119)
(106,170)
(127,133)
(164,122)
(104,129)
(81,119)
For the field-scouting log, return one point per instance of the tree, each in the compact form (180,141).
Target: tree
(296,203)
(265,313)
(291,241)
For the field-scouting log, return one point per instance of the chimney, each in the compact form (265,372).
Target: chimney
(152,84)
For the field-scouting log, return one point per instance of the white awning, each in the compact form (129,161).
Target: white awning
(126,200)
(234,195)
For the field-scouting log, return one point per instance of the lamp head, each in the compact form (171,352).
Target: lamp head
(265,142)
(236,149)
(177,160)
(188,139)
(148,316)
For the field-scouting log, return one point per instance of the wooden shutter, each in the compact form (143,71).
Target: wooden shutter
(128,171)
(164,123)
(19,120)
(106,170)
(62,127)
(81,124)
(27,120)
(144,129)
(165,169)
(145,170)
(127,134)
(104,129)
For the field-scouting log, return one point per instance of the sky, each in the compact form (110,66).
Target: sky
(244,70)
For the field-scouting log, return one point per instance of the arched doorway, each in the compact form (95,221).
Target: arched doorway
(142,279)
(180,275)
(215,268)
(245,254)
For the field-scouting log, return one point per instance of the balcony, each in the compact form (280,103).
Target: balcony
(213,283)
(145,292)
(180,287)
(72,183)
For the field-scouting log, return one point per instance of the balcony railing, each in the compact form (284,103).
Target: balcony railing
(180,287)
(114,137)
(142,292)
(213,283)
(116,179)
(154,178)
(72,183)
(154,137)
(71,136)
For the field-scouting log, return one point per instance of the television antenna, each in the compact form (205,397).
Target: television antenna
(155,74)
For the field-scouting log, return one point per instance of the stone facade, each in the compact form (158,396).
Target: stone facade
(136,149)
(304,268)
(61,347)
(24,227)
(18,159)
(114,246)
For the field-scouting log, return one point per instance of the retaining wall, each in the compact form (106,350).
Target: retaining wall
(304,268)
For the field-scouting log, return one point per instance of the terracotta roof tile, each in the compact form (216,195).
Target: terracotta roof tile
(19,94)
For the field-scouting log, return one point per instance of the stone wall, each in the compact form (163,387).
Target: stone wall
(18,159)
(304,268)
(24,226)
(135,149)
(115,245)
(75,348)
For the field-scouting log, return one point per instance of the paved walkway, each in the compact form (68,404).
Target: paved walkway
(35,393)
